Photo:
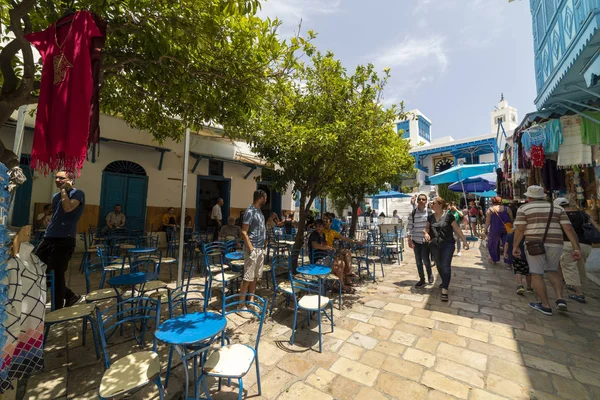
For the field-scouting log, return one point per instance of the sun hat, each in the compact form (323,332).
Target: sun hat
(535,192)
(561,201)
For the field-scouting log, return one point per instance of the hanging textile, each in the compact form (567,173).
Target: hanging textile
(96,56)
(537,156)
(554,136)
(62,124)
(590,130)
(535,136)
(573,151)
(553,177)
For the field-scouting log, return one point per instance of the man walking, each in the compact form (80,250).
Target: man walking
(254,232)
(417,222)
(216,218)
(59,240)
(540,221)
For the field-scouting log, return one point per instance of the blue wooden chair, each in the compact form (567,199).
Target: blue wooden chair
(134,371)
(312,301)
(50,285)
(326,258)
(284,287)
(85,312)
(233,361)
(101,266)
(217,270)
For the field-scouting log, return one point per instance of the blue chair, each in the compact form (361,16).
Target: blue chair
(100,266)
(311,301)
(216,269)
(326,258)
(278,264)
(366,257)
(134,371)
(149,263)
(233,361)
(85,312)
(50,285)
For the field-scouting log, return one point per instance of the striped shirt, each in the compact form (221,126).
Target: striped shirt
(415,229)
(534,215)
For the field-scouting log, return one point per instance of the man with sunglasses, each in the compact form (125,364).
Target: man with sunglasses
(58,244)
(417,222)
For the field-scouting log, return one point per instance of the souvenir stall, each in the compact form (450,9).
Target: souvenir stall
(559,151)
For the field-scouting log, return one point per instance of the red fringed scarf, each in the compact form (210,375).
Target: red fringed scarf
(62,124)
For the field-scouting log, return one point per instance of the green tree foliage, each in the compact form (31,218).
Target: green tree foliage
(375,155)
(166,65)
(448,194)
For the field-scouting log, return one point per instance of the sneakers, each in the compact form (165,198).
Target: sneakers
(458,254)
(72,301)
(530,290)
(421,283)
(561,305)
(539,307)
(520,290)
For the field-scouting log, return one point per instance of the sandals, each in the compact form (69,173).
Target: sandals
(444,296)
(578,298)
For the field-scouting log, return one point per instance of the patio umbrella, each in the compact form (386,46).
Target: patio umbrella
(460,172)
(472,185)
(487,193)
(388,194)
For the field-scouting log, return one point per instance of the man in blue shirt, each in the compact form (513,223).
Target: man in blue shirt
(61,234)
(254,233)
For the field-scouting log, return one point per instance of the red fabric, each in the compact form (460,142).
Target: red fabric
(537,156)
(63,115)
(96,56)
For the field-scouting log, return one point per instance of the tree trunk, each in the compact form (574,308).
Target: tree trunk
(354,221)
(304,208)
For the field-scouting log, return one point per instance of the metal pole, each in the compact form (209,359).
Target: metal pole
(186,161)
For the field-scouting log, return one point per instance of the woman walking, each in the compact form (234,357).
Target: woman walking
(497,218)
(439,233)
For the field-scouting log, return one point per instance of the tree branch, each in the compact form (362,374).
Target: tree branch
(11,81)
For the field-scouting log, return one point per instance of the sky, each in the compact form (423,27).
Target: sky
(451,59)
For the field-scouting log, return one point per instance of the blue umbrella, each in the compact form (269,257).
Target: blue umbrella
(487,193)
(389,194)
(460,172)
(471,185)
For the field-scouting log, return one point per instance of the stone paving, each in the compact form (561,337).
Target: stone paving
(390,341)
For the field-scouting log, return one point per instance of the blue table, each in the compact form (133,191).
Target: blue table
(132,280)
(142,250)
(234,255)
(314,270)
(188,329)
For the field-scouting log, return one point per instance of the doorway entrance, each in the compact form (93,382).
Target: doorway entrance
(210,189)
(22,202)
(273,203)
(124,183)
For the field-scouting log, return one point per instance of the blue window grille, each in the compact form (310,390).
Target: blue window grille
(404,128)
(375,204)
(424,129)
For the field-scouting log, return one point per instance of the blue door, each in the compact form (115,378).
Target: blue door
(276,202)
(130,192)
(22,202)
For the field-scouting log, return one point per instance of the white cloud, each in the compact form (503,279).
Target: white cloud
(415,53)
(292,11)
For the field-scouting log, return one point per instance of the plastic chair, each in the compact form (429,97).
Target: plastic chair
(134,371)
(233,361)
(85,312)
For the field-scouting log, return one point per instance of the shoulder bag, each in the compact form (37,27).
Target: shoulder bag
(590,233)
(508,226)
(536,247)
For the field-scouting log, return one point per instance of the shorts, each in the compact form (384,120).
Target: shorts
(253,264)
(520,267)
(473,220)
(546,262)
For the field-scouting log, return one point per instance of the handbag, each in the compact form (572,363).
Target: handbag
(590,233)
(508,226)
(536,247)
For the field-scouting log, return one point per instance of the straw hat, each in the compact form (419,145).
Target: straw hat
(535,192)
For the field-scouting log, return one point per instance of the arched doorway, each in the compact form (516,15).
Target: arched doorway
(125,183)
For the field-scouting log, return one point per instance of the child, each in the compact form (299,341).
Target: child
(519,265)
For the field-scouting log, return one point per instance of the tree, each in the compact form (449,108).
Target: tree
(301,129)
(377,156)
(167,65)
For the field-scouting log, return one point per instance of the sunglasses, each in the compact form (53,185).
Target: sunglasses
(61,178)
(422,199)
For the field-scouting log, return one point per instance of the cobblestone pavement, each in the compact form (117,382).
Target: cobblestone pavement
(390,341)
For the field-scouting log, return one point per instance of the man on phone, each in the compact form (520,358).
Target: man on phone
(58,244)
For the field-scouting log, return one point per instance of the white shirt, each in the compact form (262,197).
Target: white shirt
(216,213)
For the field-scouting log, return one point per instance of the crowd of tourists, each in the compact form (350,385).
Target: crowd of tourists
(536,238)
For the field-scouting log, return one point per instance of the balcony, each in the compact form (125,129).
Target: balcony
(566,39)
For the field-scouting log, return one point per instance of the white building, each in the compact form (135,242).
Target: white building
(417,128)
(144,176)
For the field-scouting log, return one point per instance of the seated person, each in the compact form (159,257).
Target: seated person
(289,224)
(240,220)
(114,220)
(344,255)
(168,220)
(318,241)
(43,219)
(273,221)
(230,230)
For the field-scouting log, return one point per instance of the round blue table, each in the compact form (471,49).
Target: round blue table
(189,329)
(234,255)
(314,270)
(132,280)
(142,250)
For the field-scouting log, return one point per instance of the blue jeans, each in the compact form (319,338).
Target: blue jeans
(422,257)
(442,254)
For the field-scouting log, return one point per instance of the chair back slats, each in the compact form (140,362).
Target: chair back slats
(257,306)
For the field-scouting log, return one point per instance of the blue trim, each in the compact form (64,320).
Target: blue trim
(160,163)
(196,165)
(422,168)
(452,148)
